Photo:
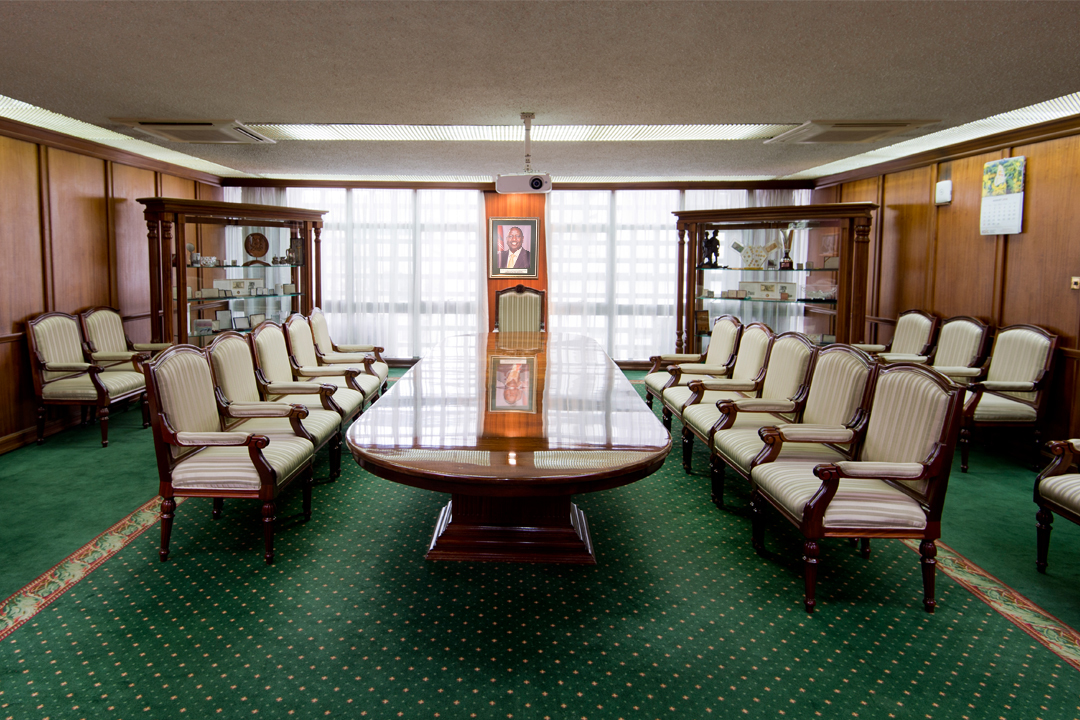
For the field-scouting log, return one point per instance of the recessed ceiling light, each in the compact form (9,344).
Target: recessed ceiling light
(516,133)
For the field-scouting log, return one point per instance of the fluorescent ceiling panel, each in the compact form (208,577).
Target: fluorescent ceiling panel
(1032,115)
(516,133)
(38,117)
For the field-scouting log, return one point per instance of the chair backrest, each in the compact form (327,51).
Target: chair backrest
(753,351)
(104,329)
(232,367)
(839,385)
(181,389)
(300,341)
(271,353)
(56,338)
(1022,353)
(961,342)
(914,408)
(790,362)
(320,331)
(914,333)
(519,309)
(724,341)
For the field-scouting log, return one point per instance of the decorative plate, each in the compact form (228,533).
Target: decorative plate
(256,245)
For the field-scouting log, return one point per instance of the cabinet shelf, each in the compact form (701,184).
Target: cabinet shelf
(800,301)
(238,267)
(785,270)
(237,298)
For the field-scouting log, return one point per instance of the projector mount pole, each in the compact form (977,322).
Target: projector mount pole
(528,118)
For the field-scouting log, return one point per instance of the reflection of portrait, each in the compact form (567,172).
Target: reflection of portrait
(510,388)
(514,256)
(514,247)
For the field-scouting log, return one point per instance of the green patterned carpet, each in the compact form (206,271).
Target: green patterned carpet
(679,619)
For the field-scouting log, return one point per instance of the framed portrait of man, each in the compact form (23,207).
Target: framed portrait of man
(514,245)
(510,384)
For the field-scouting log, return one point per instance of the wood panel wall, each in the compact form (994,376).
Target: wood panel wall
(524,206)
(73,237)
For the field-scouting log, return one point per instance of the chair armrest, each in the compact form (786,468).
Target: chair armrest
(355,348)
(871,348)
(1004,386)
(761,405)
(703,369)
(264,410)
(792,432)
(902,357)
(203,439)
(68,367)
(297,388)
(321,371)
(151,347)
(107,356)
(901,471)
(958,371)
(723,384)
(679,358)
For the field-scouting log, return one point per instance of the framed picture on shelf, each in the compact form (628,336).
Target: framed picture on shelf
(702,319)
(240,322)
(513,247)
(256,319)
(203,327)
(224,319)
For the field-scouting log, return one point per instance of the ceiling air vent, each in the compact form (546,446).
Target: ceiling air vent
(196,131)
(847,131)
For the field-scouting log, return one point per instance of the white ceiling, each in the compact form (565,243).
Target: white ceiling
(482,63)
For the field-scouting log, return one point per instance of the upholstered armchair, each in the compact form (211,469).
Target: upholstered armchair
(836,404)
(237,394)
(681,368)
(914,335)
(519,309)
(788,367)
(330,353)
(274,373)
(108,345)
(894,487)
(1057,490)
(1012,393)
(63,377)
(960,349)
(197,459)
(305,363)
(746,375)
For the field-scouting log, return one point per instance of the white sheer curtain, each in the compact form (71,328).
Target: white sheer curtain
(400,268)
(612,268)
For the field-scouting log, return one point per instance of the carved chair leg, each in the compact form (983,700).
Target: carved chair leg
(269,510)
(928,550)
(665,417)
(1044,522)
(219,503)
(145,404)
(335,456)
(307,480)
(83,415)
(1037,461)
(717,468)
(168,509)
(41,423)
(757,528)
(864,548)
(687,448)
(648,399)
(103,416)
(965,441)
(810,563)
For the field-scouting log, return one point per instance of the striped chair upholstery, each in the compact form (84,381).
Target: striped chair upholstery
(332,354)
(301,346)
(1057,491)
(519,309)
(197,459)
(108,343)
(63,377)
(681,369)
(895,487)
(913,336)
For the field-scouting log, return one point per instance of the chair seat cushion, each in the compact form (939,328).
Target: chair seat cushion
(230,468)
(1063,490)
(117,384)
(356,360)
(739,446)
(349,400)
(322,424)
(656,381)
(858,503)
(674,397)
(994,408)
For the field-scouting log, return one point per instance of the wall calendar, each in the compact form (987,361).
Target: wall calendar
(1002,197)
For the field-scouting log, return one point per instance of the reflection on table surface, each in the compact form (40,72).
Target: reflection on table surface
(573,410)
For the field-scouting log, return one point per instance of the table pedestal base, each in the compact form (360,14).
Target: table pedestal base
(512,529)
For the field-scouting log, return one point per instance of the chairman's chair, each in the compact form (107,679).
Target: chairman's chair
(197,459)
(520,309)
(914,335)
(681,368)
(237,394)
(63,377)
(894,488)
(107,344)
(330,353)
(1015,386)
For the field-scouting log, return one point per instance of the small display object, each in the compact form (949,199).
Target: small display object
(288,289)
(256,319)
(240,322)
(224,318)
(215,325)
(702,319)
(203,327)
(256,245)
(208,261)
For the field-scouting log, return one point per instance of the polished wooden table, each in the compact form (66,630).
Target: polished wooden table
(511,425)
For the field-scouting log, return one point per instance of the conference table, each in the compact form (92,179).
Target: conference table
(512,425)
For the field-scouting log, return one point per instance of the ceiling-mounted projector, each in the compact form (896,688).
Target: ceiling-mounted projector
(528,181)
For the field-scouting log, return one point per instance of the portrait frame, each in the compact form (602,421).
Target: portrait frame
(498,230)
(499,369)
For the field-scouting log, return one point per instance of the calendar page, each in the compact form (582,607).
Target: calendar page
(1002,197)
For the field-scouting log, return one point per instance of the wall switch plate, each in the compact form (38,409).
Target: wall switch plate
(1075,285)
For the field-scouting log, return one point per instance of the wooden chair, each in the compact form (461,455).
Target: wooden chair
(330,353)
(749,368)
(1014,389)
(788,367)
(107,344)
(197,459)
(520,309)
(1057,490)
(305,361)
(275,376)
(237,392)
(838,398)
(681,368)
(914,335)
(894,488)
(63,377)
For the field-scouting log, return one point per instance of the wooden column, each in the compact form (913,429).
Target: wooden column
(680,283)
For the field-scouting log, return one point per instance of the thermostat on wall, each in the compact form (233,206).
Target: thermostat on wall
(943,193)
